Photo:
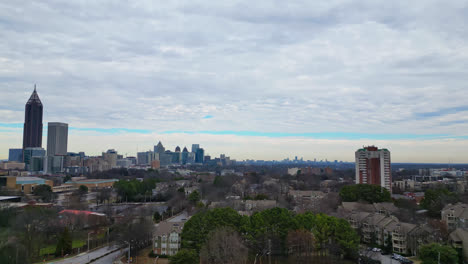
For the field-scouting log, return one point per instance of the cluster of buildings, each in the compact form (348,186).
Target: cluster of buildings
(56,159)
(32,157)
(162,157)
(455,217)
(377,225)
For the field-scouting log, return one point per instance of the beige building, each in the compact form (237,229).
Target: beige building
(167,237)
(455,216)
(93,183)
(23,184)
(376,224)
(12,165)
(459,240)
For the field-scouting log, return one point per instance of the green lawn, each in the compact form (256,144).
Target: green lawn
(51,249)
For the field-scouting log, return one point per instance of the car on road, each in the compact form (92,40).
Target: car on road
(406,261)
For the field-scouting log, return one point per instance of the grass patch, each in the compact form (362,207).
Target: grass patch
(49,250)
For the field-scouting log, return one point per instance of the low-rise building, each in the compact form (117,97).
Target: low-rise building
(93,183)
(377,225)
(12,165)
(23,184)
(459,240)
(455,216)
(167,237)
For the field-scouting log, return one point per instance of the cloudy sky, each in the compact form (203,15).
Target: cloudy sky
(252,79)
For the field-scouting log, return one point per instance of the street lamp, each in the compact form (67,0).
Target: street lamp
(88,239)
(128,258)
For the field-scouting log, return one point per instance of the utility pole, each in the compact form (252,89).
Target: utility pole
(269,251)
(88,240)
(438,258)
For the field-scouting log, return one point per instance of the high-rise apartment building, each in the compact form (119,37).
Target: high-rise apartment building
(373,166)
(32,131)
(57,139)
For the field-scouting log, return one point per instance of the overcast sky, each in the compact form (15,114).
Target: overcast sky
(252,79)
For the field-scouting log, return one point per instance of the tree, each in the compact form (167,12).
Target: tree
(64,244)
(224,245)
(31,224)
(44,191)
(435,200)
(185,256)
(156,217)
(103,194)
(300,245)
(429,254)
(197,228)
(83,189)
(194,197)
(67,178)
(366,192)
(388,247)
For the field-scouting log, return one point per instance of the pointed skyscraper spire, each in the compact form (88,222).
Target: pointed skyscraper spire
(32,131)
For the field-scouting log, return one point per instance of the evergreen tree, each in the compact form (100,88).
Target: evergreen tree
(64,244)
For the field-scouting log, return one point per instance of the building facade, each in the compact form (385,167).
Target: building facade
(455,216)
(32,130)
(57,139)
(15,155)
(373,166)
(34,159)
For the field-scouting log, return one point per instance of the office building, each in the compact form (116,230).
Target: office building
(195,147)
(199,155)
(15,155)
(184,156)
(373,167)
(55,164)
(111,157)
(57,139)
(145,158)
(159,148)
(32,130)
(34,159)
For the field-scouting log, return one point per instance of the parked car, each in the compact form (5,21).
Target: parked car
(406,261)
(376,250)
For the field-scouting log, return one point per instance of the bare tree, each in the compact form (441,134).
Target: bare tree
(224,245)
(300,245)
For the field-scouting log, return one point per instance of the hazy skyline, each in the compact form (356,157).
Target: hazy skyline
(258,80)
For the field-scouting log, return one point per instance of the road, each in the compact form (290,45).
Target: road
(384,259)
(84,258)
(110,258)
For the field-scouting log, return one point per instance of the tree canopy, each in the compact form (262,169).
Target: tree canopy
(435,200)
(365,192)
(134,190)
(185,256)
(270,229)
(44,191)
(429,254)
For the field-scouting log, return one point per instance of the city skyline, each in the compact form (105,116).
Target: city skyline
(256,84)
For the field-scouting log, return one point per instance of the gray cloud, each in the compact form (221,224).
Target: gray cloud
(300,66)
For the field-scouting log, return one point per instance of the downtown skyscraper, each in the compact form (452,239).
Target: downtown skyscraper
(32,131)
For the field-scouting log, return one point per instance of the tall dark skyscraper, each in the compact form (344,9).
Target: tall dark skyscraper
(32,132)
